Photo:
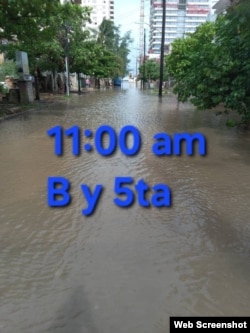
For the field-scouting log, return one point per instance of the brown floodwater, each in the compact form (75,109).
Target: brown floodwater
(122,270)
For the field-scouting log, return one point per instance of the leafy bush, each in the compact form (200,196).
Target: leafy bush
(8,68)
(212,65)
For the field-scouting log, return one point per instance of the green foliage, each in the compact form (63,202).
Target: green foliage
(95,60)
(21,18)
(8,68)
(109,37)
(150,70)
(123,52)
(43,31)
(192,65)
(3,89)
(48,31)
(212,65)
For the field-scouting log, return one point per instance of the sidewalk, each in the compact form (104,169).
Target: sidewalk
(8,110)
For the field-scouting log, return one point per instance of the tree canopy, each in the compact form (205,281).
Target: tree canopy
(212,65)
(150,70)
(21,18)
(109,36)
(48,30)
(44,33)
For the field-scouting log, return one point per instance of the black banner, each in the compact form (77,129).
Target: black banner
(191,323)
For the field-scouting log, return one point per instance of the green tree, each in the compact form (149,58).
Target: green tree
(8,68)
(54,30)
(94,59)
(20,18)
(233,36)
(212,66)
(192,65)
(109,37)
(150,70)
(123,52)
(48,31)
(54,27)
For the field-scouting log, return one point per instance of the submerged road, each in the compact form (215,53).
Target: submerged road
(122,270)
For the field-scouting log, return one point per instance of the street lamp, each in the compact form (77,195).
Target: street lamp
(162,47)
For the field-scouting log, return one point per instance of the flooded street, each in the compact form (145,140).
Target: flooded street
(122,270)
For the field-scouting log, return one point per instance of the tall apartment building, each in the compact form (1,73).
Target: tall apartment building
(212,15)
(101,9)
(182,16)
(222,5)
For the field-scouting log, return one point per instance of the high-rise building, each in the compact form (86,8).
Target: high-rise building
(221,5)
(101,9)
(212,14)
(182,16)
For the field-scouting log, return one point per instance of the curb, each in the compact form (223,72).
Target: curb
(18,110)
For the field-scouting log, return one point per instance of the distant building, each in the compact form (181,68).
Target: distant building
(101,9)
(219,7)
(222,5)
(182,16)
(212,15)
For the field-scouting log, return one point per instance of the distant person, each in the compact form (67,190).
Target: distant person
(87,83)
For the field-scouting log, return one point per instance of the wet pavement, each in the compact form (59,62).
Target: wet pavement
(122,269)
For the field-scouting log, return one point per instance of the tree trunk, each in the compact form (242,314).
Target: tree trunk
(37,97)
(55,88)
(79,85)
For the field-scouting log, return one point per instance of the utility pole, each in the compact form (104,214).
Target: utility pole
(141,44)
(36,75)
(144,59)
(66,27)
(67,73)
(162,46)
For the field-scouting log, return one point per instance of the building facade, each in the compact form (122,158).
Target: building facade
(221,6)
(182,17)
(101,9)
(212,14)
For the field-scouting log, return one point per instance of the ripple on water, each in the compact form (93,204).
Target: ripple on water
(122,270)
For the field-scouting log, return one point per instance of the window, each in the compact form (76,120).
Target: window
(182,4)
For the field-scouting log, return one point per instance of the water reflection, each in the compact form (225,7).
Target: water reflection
(122,270)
